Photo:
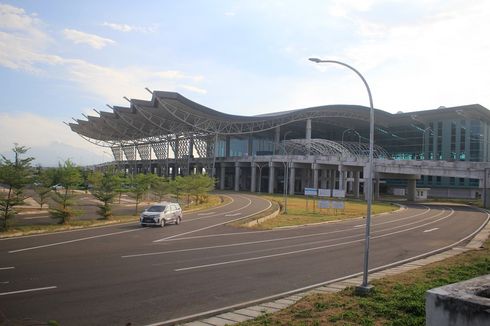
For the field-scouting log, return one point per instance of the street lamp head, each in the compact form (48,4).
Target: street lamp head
(316,60)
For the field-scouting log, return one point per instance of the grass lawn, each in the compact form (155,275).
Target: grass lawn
(396,300)
(299,213)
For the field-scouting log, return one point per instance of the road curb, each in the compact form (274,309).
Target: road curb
(250,310)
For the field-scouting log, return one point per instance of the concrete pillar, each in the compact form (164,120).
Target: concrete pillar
(341,179)
(323,179)
(315,175)
(292,178)
(355,185)
(253,177)
(376,188)
(222,177)
(271,178)
(411,186)
(334,178)
(237,177)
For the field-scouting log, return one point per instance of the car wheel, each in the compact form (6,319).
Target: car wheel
(162,222)
(177,221)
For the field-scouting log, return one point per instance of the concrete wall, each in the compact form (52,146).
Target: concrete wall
(461,304)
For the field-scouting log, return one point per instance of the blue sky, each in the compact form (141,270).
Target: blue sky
(62,59)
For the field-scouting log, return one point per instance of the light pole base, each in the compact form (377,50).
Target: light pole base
(364,290)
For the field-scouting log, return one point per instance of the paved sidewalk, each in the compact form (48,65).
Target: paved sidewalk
(251,312)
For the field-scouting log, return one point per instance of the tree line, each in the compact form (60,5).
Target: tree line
(54,187)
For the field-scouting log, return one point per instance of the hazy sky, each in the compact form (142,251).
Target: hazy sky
(62,59)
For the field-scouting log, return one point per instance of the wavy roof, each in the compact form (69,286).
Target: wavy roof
(169,113)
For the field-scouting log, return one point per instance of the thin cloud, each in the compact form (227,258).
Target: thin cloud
(193,89)
(78,37)
(130,28)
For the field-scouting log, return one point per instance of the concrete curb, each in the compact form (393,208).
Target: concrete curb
(234,315)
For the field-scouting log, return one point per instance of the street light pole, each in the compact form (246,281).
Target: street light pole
(286,174)
(364,288)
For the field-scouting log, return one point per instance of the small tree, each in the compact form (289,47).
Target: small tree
(199,186)
(42,185)
(69,177)
(141,184)
(104,189)
(14,175)
(161,187)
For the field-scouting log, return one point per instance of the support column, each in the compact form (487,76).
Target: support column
(376,189)
(411,187)
(292,178)
(355,185)
(253,177)
(271,178)
(237,177)
(315,175)
(334,178)
(222,177)
(323,179)
(341,179)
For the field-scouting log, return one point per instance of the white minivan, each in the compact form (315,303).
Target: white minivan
(161,214)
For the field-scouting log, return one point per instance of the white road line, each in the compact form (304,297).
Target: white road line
(308,249)
(35,217)
(430,230)
(214,225)
(218,214)
(74,240)
(29,290)
(4,268)
(204,214)
(235,214)
(67,231)
(428,209)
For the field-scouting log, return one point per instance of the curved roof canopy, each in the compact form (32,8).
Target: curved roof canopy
(170,113)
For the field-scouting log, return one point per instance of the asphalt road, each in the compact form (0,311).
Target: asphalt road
(128,274)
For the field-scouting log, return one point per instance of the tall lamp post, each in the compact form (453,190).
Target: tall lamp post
(364,288)
(286,174)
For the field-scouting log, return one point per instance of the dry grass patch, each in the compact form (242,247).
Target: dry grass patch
(298,214)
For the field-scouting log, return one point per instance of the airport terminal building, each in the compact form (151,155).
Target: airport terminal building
(319,147)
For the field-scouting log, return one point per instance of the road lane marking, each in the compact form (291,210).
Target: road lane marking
(218,214)
(29,290)
(5,268)
(35,217)
(218,224)
(74,240)
(235,214)
(310,249)
(204,214)
(430,230)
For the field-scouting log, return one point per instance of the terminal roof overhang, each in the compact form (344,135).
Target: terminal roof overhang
(169,113)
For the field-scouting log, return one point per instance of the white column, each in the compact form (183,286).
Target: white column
(237,177)
(292,178)
(222,177)
(253,177)
(271,178)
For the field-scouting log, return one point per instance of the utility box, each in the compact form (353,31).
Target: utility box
(461,304)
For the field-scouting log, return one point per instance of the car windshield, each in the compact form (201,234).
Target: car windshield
(156,209)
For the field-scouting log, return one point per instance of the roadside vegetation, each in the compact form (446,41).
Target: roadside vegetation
(69,190)
(301,211)
(396,300)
